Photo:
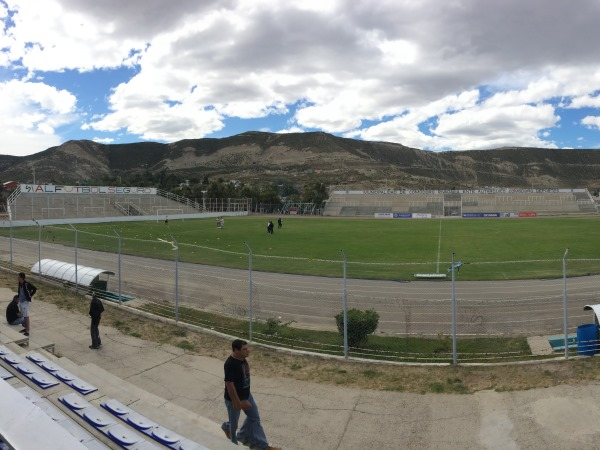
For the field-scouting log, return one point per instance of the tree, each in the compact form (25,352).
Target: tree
(360,325)
(315,193)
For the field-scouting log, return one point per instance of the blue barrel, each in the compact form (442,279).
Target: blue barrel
(587,339)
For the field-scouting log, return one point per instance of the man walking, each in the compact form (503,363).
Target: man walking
(25,291)
(96,310)
(238,397)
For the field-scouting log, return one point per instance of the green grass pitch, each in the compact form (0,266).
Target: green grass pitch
(393,249)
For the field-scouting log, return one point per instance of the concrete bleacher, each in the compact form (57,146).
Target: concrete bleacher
(34,382)
(60,206)
(455,203)
(73,417)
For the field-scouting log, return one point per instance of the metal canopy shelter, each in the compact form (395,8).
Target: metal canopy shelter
(82,275)
(596,309)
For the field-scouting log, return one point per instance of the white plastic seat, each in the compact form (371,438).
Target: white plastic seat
(165,436)
(50,366)
(97,418)
(43,380)
(37,358)
(12,359)
(64,375)
(75,402)
(27,368)
(140,422)
(123,436)
(115,407)
(82,386)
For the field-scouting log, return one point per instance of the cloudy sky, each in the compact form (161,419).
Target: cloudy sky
(431,74)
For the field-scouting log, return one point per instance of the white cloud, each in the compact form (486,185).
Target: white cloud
(439,75)
(103,140)
(591,122)
(585,101)
(30,114)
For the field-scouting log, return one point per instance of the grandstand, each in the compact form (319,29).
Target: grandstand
(50,202)
(496,202)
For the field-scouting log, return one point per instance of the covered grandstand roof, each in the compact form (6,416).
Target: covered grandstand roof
(65,271)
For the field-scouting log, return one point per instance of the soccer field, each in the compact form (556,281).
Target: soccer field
(374,248)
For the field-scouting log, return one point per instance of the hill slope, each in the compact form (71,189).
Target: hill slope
(299,157)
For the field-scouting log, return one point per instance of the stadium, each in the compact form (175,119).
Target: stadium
(494,309)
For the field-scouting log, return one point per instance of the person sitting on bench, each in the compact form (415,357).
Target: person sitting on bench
(13,313)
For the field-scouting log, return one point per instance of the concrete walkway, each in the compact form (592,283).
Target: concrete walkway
(302,415)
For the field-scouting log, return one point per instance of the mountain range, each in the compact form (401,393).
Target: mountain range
(253,157)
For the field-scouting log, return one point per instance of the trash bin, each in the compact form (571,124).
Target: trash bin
(587,339)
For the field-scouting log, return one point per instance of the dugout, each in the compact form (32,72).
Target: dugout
(96,280)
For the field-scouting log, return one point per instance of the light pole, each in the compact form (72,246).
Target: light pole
(176,278)
(345,302)
(119,264)
(566,313)
(250,290)
(39,248)
(76,266)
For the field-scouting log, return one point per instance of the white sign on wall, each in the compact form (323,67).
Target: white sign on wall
(87,190)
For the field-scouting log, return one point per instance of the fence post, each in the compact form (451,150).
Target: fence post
(176,278)
(454,357)
(76,266)
(39,249)
(250,291)
(11,244)
(345,304)
(566,324)
(119,264)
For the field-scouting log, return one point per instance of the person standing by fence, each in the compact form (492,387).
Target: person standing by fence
(96,310)
(25,291)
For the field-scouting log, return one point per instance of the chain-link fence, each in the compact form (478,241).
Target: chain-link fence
(428,320)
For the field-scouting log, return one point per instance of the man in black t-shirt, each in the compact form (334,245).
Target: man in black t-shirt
(238,397)
(13,314)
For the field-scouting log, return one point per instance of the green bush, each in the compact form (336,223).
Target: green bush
(360,325)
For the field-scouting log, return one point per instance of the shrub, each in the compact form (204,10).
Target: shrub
(360,325)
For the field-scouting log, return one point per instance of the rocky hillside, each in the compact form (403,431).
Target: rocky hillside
(300,157)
